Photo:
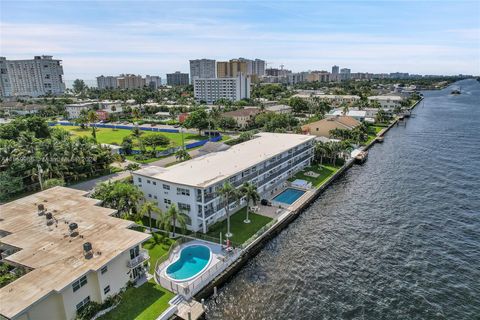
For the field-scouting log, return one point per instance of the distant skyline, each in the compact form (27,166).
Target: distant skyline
(159,37)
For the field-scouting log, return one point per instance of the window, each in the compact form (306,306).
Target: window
(167,201)
(166,187)
(83,303)
(183,207)
(154,183)
(184,192)
(149,195)
(139,179)
(148,181)
(155,197)
(79,283)
(134,252)
(104,269)
(106,289)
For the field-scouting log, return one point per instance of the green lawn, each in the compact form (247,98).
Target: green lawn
(144,303)
(241,231)
(324,170)
(149,300)
(110,136)
(157,248)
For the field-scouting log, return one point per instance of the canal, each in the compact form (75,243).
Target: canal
(396,238)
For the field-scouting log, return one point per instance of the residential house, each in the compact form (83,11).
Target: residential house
(243,117)
(323,127)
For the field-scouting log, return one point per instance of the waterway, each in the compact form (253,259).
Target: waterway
(396,238)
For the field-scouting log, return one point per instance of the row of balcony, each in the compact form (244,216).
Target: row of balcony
(270,177)
(212,195)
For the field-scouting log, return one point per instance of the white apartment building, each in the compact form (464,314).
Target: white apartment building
(73,110)
(74,252)
(107,82)
(5,85)
(35,77)
(266,161)
(153,82)
(202,68)
(331,98)
(258,67)
(391,101)
(213,89)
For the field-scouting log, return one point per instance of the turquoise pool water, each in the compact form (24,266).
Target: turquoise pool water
(193,259)
(289,196)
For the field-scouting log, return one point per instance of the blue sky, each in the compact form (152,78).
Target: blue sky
(157,37)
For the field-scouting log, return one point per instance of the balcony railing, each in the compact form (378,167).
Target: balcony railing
(212,195)
(142,257)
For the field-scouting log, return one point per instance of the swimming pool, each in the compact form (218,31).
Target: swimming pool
(289,196)
(192,261)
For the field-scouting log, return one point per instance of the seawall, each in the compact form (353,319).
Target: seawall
(255,247)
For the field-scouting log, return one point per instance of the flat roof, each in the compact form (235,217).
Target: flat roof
(351,113)
(391,97)
(327,96)
(217,166)
(57,259)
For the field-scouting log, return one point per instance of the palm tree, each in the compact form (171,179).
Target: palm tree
(182,155)
(249,190)
(148,208)
(227,192)
(136,113)
(92,118)
(321,151)
(171,218)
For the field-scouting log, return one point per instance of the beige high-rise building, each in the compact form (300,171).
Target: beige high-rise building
(130,81)
(233,68)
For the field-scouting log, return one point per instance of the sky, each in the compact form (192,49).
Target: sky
(158,37)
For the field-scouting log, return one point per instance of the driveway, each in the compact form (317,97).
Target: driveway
(171,159)
(90,184)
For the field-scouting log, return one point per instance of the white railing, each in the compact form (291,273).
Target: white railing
(189,289)
(143,256)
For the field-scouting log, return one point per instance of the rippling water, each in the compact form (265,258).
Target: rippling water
(396,238)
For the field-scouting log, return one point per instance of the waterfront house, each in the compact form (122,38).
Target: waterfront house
(330,98)
(323,127)
(359,115)
(267,161)
(387,101)
(72,250)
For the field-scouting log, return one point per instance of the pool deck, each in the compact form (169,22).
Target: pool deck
(220,260)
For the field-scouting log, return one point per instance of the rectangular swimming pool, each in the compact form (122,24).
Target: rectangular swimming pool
(289,196)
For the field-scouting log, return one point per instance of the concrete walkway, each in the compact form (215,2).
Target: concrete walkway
(190,310)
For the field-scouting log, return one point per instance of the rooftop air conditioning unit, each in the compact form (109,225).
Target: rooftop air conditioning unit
(41,209)
(87,250)
(49,217)
(73,228)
